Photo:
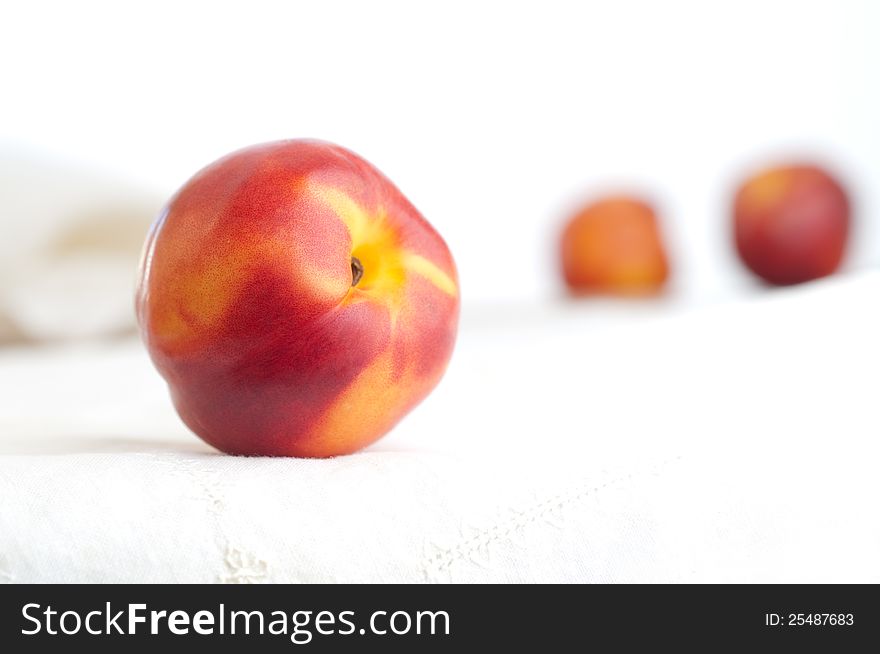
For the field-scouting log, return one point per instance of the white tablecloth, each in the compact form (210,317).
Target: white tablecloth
(598,442)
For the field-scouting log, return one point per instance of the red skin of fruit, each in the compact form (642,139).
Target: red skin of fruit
(791,224)
(614,247)
(247,305)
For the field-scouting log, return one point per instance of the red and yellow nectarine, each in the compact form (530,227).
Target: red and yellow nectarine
(614,246)
(295,301)
(791,223)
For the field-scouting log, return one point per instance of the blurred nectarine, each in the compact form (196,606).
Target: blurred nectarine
(791,223)
(614,246)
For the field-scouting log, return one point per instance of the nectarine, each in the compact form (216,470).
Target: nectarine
(791,223)
(614,246)
(295,301)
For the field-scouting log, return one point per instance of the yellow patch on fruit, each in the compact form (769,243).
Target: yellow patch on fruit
(363,409)
(199,292)
(421,266)
(765,190)
(345,207)
(375,244)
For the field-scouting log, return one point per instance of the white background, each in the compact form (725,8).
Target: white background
(494,118)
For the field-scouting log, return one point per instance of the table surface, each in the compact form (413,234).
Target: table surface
(598,442)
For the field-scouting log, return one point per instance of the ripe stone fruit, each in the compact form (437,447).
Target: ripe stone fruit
(295,301)
(791,223)
(614,247)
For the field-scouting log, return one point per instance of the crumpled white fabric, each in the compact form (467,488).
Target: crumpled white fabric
(597,442)
(69,255)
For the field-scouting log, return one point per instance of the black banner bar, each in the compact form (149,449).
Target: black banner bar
(436,618)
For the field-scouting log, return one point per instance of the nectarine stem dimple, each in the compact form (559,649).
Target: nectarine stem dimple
(357,270)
